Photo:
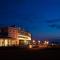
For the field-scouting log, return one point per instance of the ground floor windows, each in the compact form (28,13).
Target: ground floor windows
(11,42)
(24,42)
(7,42)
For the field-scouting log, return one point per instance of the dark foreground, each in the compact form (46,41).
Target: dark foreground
(29,54)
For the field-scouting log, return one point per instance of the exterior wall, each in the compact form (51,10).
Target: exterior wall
(13,32)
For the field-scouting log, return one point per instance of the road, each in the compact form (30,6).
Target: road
(32,54)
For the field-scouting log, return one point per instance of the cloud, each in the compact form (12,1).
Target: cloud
(53,21)
(58,26)
(54,26)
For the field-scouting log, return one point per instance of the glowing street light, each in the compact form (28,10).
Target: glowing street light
(30,46)
(46,42)
(38,41)
(33,41)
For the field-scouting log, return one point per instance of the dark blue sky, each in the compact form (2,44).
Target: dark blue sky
(40,17)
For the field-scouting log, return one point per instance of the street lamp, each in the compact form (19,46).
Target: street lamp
(46,42)
(38,41)
(33,41)
(30,46)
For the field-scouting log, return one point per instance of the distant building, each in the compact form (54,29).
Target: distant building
(14,36)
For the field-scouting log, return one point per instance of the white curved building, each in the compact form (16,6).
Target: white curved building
(14,36)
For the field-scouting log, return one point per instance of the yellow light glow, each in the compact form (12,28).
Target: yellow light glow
(6,42)
(46,42)
(30,46)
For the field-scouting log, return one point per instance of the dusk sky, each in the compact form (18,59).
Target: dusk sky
(40,17)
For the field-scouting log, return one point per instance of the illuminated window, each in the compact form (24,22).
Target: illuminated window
(6,42)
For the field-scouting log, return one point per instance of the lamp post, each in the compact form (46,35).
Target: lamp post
(38,42)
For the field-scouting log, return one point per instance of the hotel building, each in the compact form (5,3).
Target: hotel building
(14,36)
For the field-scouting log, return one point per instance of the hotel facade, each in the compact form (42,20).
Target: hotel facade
(14,36)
